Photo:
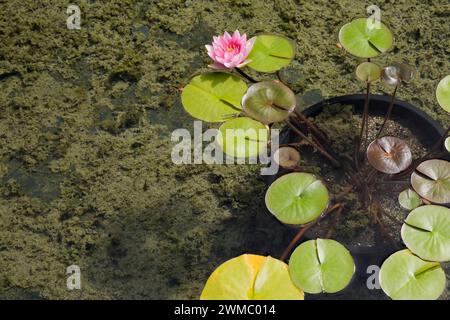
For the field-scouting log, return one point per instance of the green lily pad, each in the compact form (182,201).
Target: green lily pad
(268,101)
(443,93)
(404,276)
(243,137)
(368,72)
(214,96)
(297,198)
(426,232)
(271,53)
(409,199)
(321,265)
(364,42)
(431,180)
(447,144)
(251,277)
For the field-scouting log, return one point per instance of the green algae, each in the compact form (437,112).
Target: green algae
(85,122)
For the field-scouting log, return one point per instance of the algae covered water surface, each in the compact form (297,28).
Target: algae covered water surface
(86,117)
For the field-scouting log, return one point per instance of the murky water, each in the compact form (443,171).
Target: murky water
(85,123)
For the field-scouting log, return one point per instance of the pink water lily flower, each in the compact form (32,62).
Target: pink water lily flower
(230,52)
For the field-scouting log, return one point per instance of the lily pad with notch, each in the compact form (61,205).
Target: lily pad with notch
(287,157)
(409,199)
(426,232)
(443,93)
(243,137)
(431,180)
(396,74)
(362,41)
(251,277)
(297,198)
(321,265)
(214,96)
(404,276)
(389,155)
(368,72)
(268,101)
(271,53)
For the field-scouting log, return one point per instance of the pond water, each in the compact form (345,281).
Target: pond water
(86,118)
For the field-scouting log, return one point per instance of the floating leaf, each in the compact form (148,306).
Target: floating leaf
(426,232)
(368,72)
(431,180)
(389,155)
(404,276)
(360,40)
(243,137)
(297,198)
(397,73)
(321,265)
(287,157)
(251,277)
(447,144)
(214,96)
(443,93)
(271,53)
(268,101)
(409,199)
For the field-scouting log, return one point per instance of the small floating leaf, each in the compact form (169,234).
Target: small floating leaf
(297,198)
(243,137)
(271,53)
(389,155)
(426,232)
(251,277)
(214,96)
(368,72)
(397,73)
(268,101)
(287,157)
(360,40)
(321,265)
(404,276)
(447,144)
(409,199)
(443,93)
(431,180)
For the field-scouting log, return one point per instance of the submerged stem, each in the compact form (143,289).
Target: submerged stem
(246,76)
(389,112)
(364,125)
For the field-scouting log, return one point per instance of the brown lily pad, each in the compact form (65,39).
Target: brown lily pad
(389,155)
(431,180)
(287,157)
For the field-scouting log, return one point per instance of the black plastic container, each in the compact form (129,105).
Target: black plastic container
(426,130)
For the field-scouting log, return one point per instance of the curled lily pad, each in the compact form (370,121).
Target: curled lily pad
(297,198)
(368,72)
(404,276)
(426,232)
(287,157)
(268,101)
(409,199)
(321,265)
(243,137)
(389,155)
(397,73)
(447,144)
(214,96)
(363,41)
(251,277)
(271,53)
(443,93)
(431,180)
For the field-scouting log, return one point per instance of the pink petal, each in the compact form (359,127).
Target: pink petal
(217,66)
(226,36)
(249,44)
